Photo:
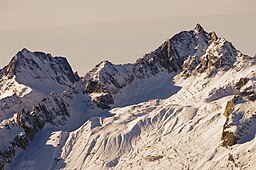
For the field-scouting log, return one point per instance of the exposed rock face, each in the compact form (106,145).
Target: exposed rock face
(2,71)
(220,54)
(240,119)
(214,36)
(228,137)
(198,28)
(51,110)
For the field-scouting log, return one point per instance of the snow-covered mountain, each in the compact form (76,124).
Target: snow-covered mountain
(32,75)
(189,104)
(111,84)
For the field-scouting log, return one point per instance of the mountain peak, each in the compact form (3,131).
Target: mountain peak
(105,63)
(214,36)
(24,53)
(35,67)
(24,50)
(198,28)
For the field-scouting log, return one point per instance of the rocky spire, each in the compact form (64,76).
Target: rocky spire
(198,28)
(214,36)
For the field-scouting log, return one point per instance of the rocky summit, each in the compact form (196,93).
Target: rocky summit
(189,104)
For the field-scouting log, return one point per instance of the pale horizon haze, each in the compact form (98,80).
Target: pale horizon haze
(121,31)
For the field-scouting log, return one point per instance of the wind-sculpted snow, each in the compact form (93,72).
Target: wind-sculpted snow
(181,132)
(189,104)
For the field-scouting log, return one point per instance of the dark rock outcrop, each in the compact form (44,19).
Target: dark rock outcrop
(31,122)
(239,123)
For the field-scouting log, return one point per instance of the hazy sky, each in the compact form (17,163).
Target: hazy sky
(88,31)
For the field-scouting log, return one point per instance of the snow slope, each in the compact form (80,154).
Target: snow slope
(181,132)
(190,104)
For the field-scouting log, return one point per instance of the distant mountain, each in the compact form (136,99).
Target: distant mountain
(34,68)
(189,104)
(29,77)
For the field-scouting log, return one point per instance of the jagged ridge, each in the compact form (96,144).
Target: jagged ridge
(190,53)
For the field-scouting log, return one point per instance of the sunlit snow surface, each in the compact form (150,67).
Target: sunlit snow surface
(181,132)
(158,120)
